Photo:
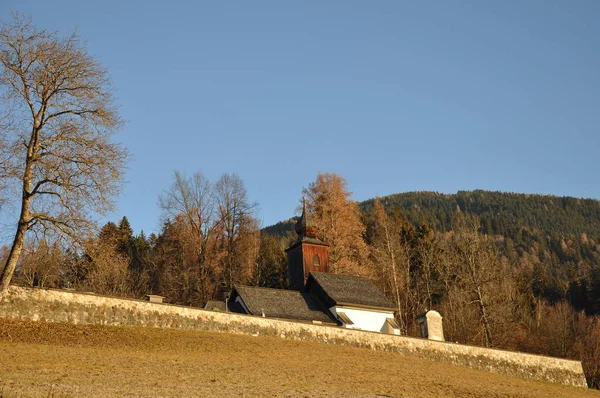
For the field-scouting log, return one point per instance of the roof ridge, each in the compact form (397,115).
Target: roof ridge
(265,288)
(342,275)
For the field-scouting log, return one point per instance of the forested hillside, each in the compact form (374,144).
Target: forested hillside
(500,213)
(556,236)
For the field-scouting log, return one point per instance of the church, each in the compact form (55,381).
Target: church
(315,295)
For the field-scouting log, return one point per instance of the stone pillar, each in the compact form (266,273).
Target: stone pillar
(430,326)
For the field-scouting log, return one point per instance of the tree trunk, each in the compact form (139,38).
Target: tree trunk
(390,250)
(23,225)
(484,318)
(13,257)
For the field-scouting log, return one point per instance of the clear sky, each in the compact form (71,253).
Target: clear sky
(393,95)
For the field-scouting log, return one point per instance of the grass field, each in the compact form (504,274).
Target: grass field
(57,360)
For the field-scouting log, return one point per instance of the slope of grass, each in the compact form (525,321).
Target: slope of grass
(58,360)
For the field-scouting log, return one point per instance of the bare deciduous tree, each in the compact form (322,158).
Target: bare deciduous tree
(390,257)
(58,153)
(239,228)
(40,263)
(191,201)
(192,198)
(481,280)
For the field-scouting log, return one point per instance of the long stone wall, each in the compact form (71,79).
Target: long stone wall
(81,308)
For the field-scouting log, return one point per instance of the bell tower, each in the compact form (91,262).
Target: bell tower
(308,253)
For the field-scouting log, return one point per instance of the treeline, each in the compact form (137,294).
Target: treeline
(209,242)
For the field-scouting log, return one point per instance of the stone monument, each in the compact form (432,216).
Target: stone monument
(430,326)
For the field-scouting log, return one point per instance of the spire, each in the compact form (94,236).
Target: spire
(304,226)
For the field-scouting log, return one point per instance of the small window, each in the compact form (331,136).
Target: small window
(316,261)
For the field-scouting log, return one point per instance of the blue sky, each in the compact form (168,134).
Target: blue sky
(395,96)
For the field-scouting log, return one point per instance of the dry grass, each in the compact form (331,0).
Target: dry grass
(57,360)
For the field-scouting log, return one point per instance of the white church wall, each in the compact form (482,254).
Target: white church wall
(370,320)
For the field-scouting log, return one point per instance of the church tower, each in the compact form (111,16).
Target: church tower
(307,254)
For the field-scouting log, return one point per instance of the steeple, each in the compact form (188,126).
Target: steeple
(308,253)
(305,227)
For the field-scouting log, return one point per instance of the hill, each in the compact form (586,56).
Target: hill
(60,360)
(501,213)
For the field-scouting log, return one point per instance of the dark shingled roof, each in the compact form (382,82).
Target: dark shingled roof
(277,303)
(348,290)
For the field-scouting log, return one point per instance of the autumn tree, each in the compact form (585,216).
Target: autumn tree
(58,153)
(132,249)
(175,266)
(210,240)
(107,270)
(339,224)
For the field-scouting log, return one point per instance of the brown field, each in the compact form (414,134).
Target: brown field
(57,360)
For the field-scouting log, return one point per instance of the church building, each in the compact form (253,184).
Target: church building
(315,295)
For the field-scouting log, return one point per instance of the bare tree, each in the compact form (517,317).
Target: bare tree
(429,258)
(237,223)
(40,263)
(58,153)
(389,253)
(191,200)
(481,281)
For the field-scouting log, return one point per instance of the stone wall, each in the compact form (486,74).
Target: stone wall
(81,308)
